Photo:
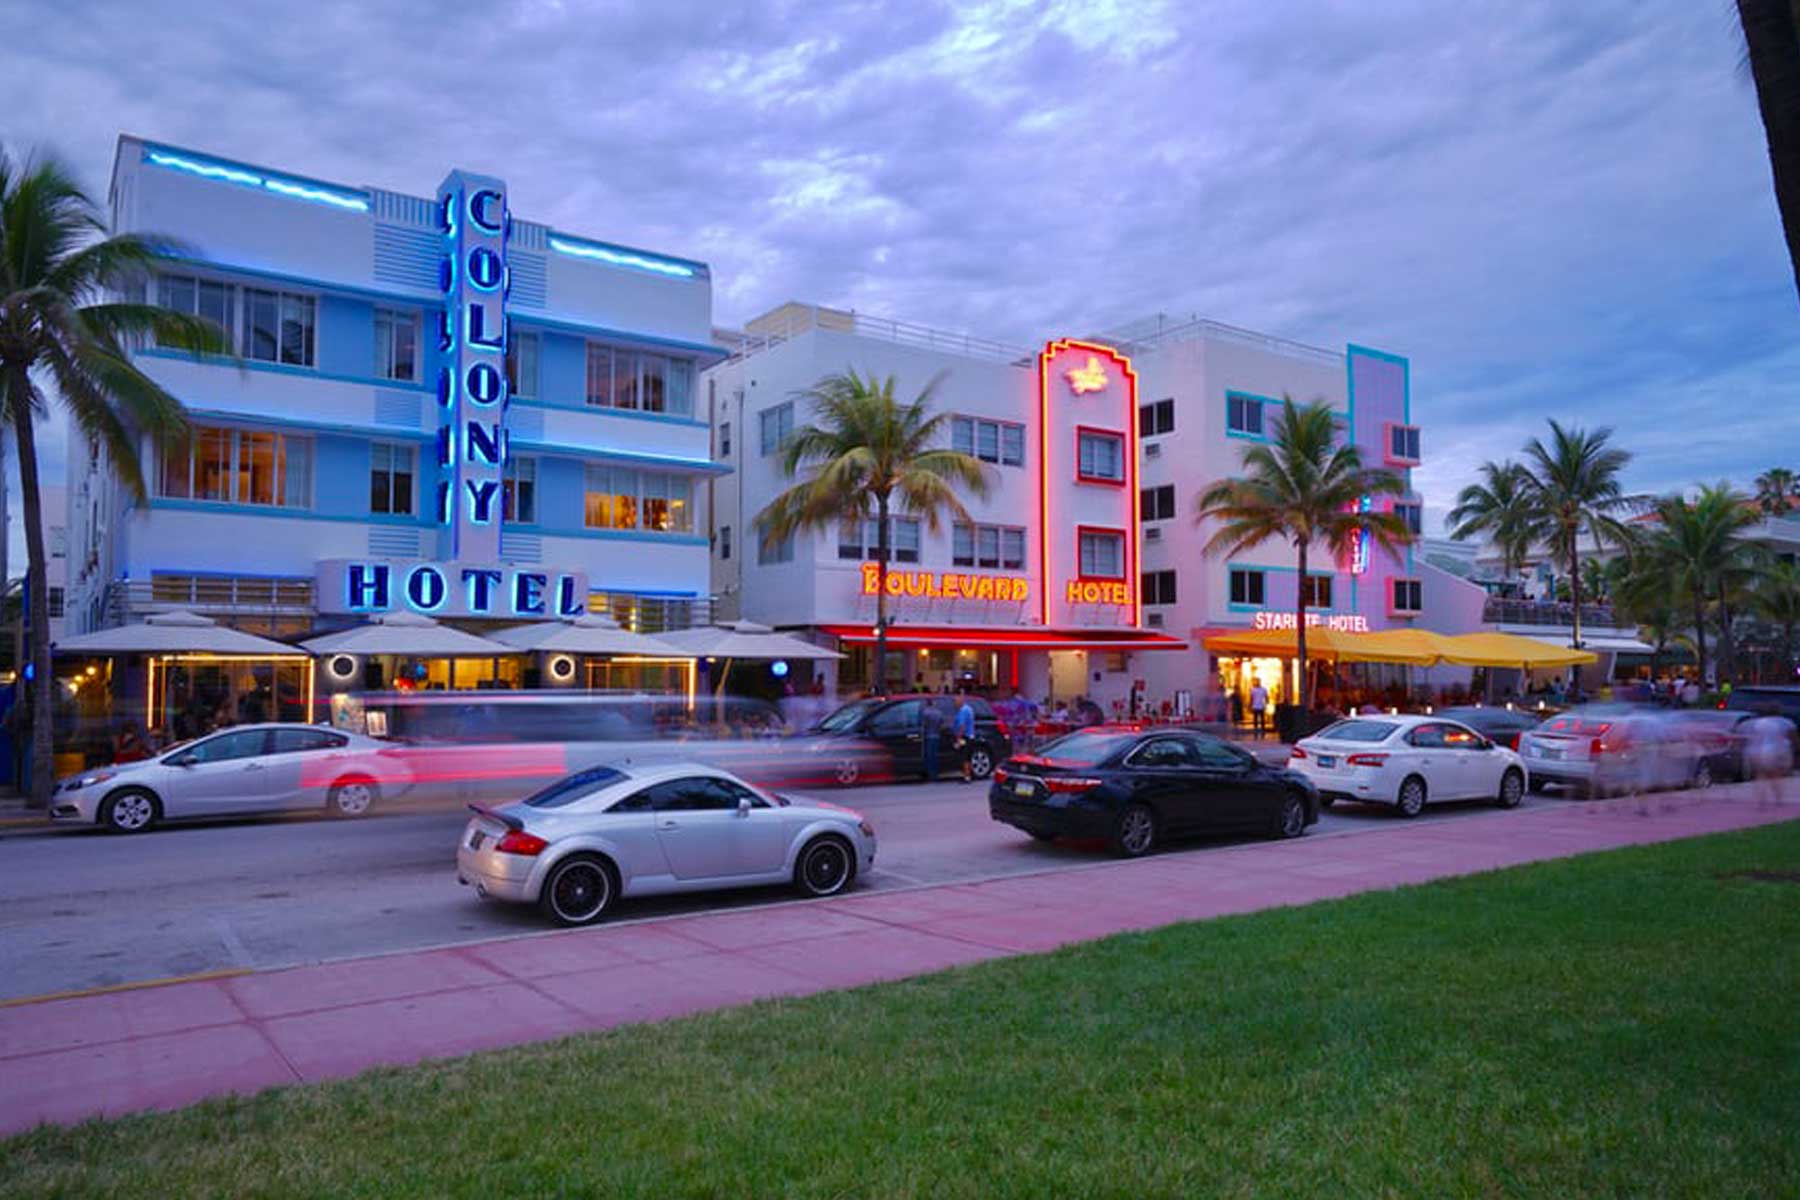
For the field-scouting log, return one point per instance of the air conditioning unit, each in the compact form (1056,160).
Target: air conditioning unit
(1154,620)
(1153,450)
(1153,534)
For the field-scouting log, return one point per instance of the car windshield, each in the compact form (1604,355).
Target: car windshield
(571,788)
(847,717)
(1358,731)
(1084,749)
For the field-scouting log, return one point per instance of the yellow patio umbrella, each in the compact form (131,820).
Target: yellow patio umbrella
(1323,644)
(1416,647)
(1510,650)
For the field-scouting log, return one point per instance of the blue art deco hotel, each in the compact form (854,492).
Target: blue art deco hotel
(435,406)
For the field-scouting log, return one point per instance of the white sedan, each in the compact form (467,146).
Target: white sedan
(640,830)
(1408,762)
(244,769)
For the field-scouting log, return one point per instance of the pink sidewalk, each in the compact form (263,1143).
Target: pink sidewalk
(164,1047)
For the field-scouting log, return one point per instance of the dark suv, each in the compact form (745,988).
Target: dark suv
(1752,696)
(893,723)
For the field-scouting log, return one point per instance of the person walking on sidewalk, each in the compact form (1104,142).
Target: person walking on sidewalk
(1768,752)
(931,734)
(1259,707)
(964,729)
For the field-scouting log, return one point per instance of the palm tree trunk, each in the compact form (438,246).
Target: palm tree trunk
(881,570)
(37,598)
(1700,636)
(1300,626)
(1773,46)
(1727,641)
(1575,595)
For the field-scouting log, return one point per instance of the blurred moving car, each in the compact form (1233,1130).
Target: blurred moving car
(244,769)
(1720,739)
(1752,697)
(576,846)
(1503,725)
(1613,749)
(1135,789)
(892,723)
(1408,762)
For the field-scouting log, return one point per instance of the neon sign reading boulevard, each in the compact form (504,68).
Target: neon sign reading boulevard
(945,585)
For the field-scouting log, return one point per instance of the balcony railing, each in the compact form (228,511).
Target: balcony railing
(804,317)
(1548,612)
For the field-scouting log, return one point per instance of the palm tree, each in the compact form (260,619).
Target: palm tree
(1777,599)
(1501,508)
(1573,484)
(1699,548)
(1772,52)
(1777,491)
(1304,488)
(60,325)
(1641,595)
(868,452)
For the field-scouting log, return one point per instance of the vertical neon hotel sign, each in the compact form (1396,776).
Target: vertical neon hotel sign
(472,394)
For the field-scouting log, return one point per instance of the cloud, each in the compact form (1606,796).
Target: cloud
(1554,209)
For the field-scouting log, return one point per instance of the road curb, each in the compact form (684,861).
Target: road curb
(111,988)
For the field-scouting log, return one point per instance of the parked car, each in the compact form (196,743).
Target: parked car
(1753,696)
(575,847)
(244,769)
(1409,762)
(1503,725)
(1137,788)
(892,723)
(1611,749)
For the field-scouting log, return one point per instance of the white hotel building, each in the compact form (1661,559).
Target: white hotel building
(1083,571)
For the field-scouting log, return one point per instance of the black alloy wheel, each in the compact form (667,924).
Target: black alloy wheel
(1290,818)
(578,891)
(1411,801)
(1512,789)
(825,868)
(1134,834)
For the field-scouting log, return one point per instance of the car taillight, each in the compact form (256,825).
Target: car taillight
(1070,783)
(517,841)
(1296,752)
(1366,760)
(1001,774)
(1515,742)
(1000,725)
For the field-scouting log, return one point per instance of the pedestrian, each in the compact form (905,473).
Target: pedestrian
(128,746)
(931,732)
(1768,752)
(964,730)
(1259,706)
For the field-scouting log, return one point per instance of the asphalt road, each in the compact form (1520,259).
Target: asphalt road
(83,909)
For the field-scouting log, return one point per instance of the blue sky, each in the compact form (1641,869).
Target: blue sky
(1552,208)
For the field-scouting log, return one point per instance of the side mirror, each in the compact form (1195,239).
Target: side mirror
(183,760)
(743,806)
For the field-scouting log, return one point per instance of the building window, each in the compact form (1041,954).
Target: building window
(724,438)
(860,540)
(1247,587)
(396,345)
(1158,587)
(850,539)
(1403,443)
(725,542)
(278,327)
(518,492)
(54,603)
(238,466)
(1157,417)
(522,365)
(1100,456)
(1102,555)
(768,552)
(1001,546)
(1413,513)
(639,382)
(202,298)
(1408,596)
(777,427)
(392,468)
(59,541)
(626,498)
(1156,503)
(1243,414)
(1315,590)
(1000,442)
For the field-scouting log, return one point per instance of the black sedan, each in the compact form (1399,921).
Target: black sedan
(1135,788)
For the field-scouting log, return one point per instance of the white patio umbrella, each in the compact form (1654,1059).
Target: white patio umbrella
(589,633)
(743,639)
(410,635)
(177,632)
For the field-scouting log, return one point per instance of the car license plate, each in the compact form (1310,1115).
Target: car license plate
(1328,760)
(476,838)
(1546,752)
(1023,789)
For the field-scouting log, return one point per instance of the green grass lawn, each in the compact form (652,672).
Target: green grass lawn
(1625,1024)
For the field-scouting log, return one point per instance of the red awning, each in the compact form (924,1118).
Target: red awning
(1011,637)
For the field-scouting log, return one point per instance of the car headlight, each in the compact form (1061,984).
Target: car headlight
(867,829)
(83,781)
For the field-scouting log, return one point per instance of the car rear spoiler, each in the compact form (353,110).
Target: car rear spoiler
(512,823)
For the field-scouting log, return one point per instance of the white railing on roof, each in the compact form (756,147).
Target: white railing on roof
(1154,332)
(801,318)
